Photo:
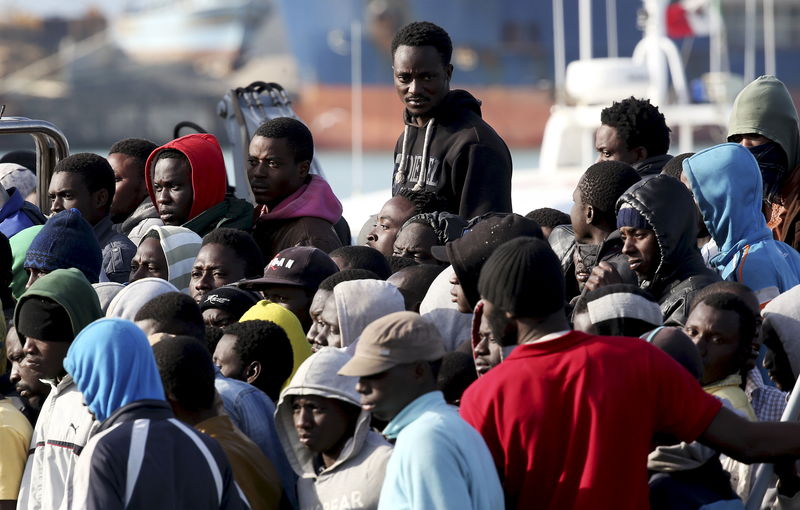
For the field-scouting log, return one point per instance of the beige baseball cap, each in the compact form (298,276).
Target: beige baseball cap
(395,339)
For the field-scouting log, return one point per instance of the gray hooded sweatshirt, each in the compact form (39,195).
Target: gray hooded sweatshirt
(359,302)
(355,480)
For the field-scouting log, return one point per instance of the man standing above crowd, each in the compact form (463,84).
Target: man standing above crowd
(85,182)
(186,181)
(132,211)
(446,147)
(293,207)
(635,132)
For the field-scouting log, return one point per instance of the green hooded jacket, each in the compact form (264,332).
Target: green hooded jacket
(70,289)
(19,248)
(230,213)
(765,107)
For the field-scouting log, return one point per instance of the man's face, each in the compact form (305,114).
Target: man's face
(131,188)
(324,329)
(415,242)
(33,275)
(215,266)
(716,335)
(322,424)
(750,140)
(457,295)
(578,215)
(218,318)
(149,261)
(172,186)
(227,359)
(488,352)
(421,78)
(387,393)
(295,299)
(22,377)
(609,147)
(69,191)
(393,214)
(45,359)
(641,247)
(272,170)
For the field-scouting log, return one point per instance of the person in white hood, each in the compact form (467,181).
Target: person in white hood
(350,308)
(340,461)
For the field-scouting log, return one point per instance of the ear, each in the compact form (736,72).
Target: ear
(252,371)
(641,153)
(304,168)
(100,199)
(588,211)
(448,70)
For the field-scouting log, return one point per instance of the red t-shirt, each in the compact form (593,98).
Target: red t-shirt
(570,421)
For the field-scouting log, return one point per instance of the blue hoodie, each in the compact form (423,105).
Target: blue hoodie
(726,184)
(112,363)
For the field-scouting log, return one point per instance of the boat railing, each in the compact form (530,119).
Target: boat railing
(51,147)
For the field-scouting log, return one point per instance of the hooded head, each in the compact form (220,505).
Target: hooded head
(106,292)
(781,332)
(65,241)
(129,300)
(317,376)
(726,184)
(439,308)
(112,364)
(207,178)
(179,247)
(19,250)
(667,206)
(360,302)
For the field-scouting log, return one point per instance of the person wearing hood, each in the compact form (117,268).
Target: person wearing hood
(16,214)
(658,222)
(132,211)
(49,316)
(127,303)
(187,374)
(633,131)
(187,183)
(781,333)
(19,250)
(350,308)
(727,187)
(16,175)
(339,459)
(446,147)
(424,231)
(592,235)
(167,253)
(440,308)
(764,120)
(85,182)
(293,207)
(65,241)
(140,456)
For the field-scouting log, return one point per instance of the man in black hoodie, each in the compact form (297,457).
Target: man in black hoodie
(658,225)
(446,148)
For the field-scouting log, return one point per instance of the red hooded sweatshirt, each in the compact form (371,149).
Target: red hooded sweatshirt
(209,180)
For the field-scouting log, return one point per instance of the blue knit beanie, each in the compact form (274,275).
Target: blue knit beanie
(65,241)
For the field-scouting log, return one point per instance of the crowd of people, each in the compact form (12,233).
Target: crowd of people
(169,345)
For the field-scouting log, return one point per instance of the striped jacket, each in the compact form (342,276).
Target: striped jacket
(143,457)
(61,432)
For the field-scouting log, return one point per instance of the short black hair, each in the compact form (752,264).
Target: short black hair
(170,154)
(424,33)
(364,257)
(733,303)
(456,373)
(267,343)
(137,148)
(424,201)
(212,336)
(549,217)
(674,167)
(298,136)
(739,289)
(603,183)
(187,372)
(396,262)
(243,244)
(638,124)
(95,171)
(176,313)
(345,276)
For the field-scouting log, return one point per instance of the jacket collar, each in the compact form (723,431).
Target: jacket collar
(427,402)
